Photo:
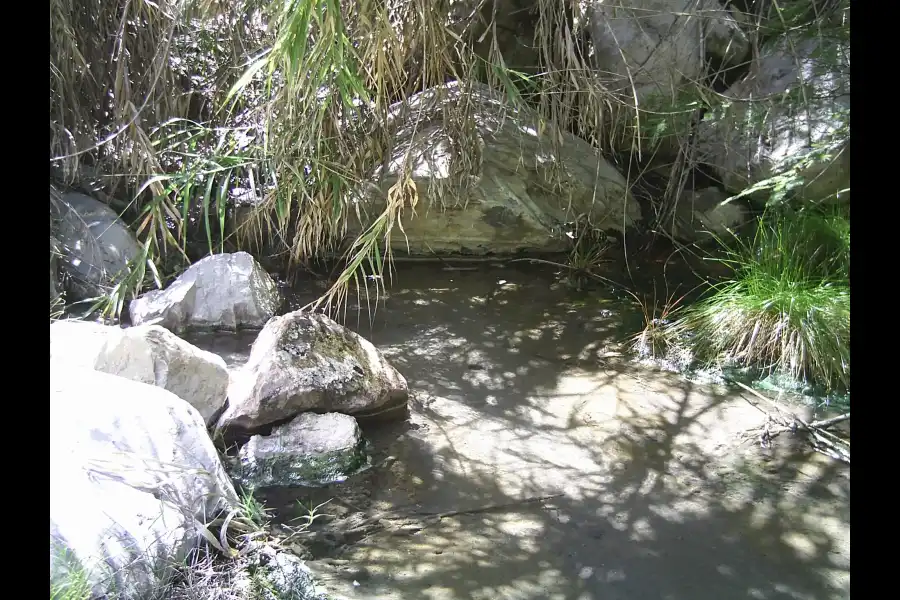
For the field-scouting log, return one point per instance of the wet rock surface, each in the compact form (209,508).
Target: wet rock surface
(312,450)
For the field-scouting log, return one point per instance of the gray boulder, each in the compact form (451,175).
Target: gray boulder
(303,362)
(522,183)
(654,47)
(96,246)
(224,292)
(133,477)
(312,450)
(796,97)
(149,354)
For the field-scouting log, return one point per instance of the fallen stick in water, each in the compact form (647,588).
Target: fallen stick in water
(418,519)
(490,507)
(822,441)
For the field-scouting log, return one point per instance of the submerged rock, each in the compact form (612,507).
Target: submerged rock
(148,354)
(133,476)
(95,245)
(287,577)
(221,292)
(303,362)
(261,572)
(265,574)
(311,450)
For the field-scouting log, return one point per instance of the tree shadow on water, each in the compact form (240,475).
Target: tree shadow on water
(638,526)
(656,501)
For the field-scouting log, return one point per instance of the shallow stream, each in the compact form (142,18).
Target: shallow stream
(521,387)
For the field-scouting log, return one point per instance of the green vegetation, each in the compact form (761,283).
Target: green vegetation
(657,335)
(787,306)
(174,105)
(590,248)
(70,581)
(217,569)
(784,308)
(249,572)
(253,510)
(57,308)
(259,126)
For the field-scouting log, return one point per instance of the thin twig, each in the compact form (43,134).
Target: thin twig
(826,423)
(419,520)
(490,507)
(832,443)
(775,404)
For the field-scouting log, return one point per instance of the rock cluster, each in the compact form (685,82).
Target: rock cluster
(134,474)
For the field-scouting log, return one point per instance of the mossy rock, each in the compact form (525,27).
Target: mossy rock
(306,362)
(312,450)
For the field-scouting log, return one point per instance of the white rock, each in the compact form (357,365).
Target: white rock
(149,354)
(132,471)
(221,292)
(305,362)
(311,450)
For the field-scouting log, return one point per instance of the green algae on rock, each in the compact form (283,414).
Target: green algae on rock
(311,451)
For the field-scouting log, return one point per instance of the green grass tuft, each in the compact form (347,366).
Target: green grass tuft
(70,581)
(590,249)
(787,307)
(253,510)
(657,335)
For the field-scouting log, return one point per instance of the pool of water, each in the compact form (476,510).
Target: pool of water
(521,387)
(463,329)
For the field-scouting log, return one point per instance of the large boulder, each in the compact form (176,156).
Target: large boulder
(133,478)
(223,292)
(648,48)
(312,450)
(651,55)
(794,103)
(96,246)
(516,181)
(149,354)
(305,362)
